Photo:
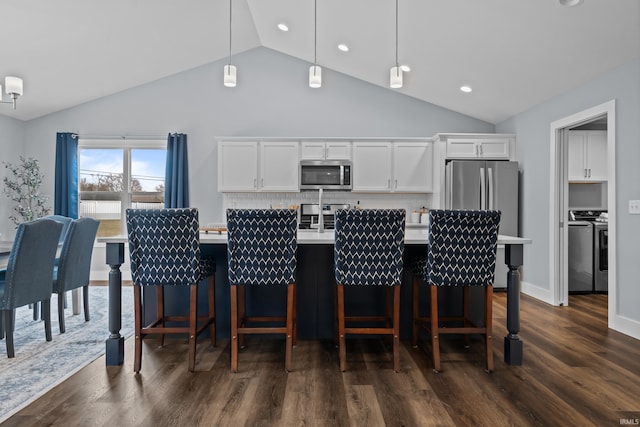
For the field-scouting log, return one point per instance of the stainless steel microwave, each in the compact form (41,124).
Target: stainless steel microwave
(325,174)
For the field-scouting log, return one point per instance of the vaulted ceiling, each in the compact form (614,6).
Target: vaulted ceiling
(513,53)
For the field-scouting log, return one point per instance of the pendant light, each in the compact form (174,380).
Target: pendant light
(230,70)
(315,72)
(395,76)
(13,88)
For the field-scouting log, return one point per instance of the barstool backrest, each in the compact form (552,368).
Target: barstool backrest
(261,246)
(462,247)
(369,245)
(164,246)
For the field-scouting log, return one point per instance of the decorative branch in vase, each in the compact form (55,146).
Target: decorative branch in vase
(23,187)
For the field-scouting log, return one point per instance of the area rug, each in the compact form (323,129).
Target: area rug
(40,365)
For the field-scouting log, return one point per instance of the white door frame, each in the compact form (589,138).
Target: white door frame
(558,235)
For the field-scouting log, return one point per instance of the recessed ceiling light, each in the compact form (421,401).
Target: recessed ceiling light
(283,27)
(405,68)
(466,89)
(570,2)
(343,47)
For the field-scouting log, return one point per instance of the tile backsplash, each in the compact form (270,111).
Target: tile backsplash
(409,202)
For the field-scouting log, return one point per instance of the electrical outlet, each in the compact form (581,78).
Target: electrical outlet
(634,207)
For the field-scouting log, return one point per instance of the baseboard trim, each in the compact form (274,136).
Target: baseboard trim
(544,295)
(625,325)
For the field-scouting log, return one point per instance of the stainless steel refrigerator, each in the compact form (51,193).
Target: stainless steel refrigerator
(485,184)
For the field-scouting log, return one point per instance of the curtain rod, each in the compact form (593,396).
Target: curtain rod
(159,137)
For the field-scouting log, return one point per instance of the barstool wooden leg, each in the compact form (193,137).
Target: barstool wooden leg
(336,333)
(212,309)
(489,325)
(234,328)
(295,316)
(193,324)
(137,304)
(289,342)
(435,342)
(396,328)
(242,317)
(465,312)
(160,310)
(341,333)
(415,311)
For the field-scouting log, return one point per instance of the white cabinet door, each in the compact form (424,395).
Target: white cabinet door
(494,148)
(462,148)
(587,156)
(597,155)
(339,150)
(312,151)
(237,166)
(576,167)
(413,167)
(478,147)
(279,166)
(371,166)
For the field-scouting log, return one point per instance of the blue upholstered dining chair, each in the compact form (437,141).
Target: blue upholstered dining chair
(261,247)
(461,252)
(369,246)
(74,264)
(164,249)
(65,221)
(27,279)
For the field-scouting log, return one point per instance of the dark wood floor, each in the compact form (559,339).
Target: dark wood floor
(576,372)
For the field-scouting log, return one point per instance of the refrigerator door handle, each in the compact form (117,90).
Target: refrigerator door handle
(483,199)
(490,181)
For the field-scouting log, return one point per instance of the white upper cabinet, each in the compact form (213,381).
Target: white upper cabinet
(587,156)
(413,167)
(279,166)
(371,166)
(478,148)
(404,167)
(257,166)
(237,166)
(339,150)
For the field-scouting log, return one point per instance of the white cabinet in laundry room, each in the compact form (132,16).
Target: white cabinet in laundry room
(587,155)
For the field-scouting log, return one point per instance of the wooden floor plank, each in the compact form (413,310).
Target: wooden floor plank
(576,371)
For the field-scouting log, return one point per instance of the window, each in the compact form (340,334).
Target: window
(118,174)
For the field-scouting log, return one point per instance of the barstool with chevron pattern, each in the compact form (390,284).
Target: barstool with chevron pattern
(461,252)
(369,245)
(164,248)
(261,249)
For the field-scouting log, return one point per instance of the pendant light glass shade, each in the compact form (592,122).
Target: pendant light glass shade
(230,75)
(315,76)
(13,85)
(395,78)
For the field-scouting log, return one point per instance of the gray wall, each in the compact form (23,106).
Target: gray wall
(12,138)
(272,99)
(532,129)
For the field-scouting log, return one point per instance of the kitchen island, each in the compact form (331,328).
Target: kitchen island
(315,290)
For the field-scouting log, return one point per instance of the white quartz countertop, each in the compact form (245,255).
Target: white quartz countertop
(312,237)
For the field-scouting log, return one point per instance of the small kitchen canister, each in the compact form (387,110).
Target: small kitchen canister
(415,217)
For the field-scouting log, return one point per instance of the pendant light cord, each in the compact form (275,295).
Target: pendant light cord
(230,32)
(397,36)
(315,33)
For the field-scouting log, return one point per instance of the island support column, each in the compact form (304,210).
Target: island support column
(115,342)
(512,342)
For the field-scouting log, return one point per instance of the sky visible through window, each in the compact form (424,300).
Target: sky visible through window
(147,165)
